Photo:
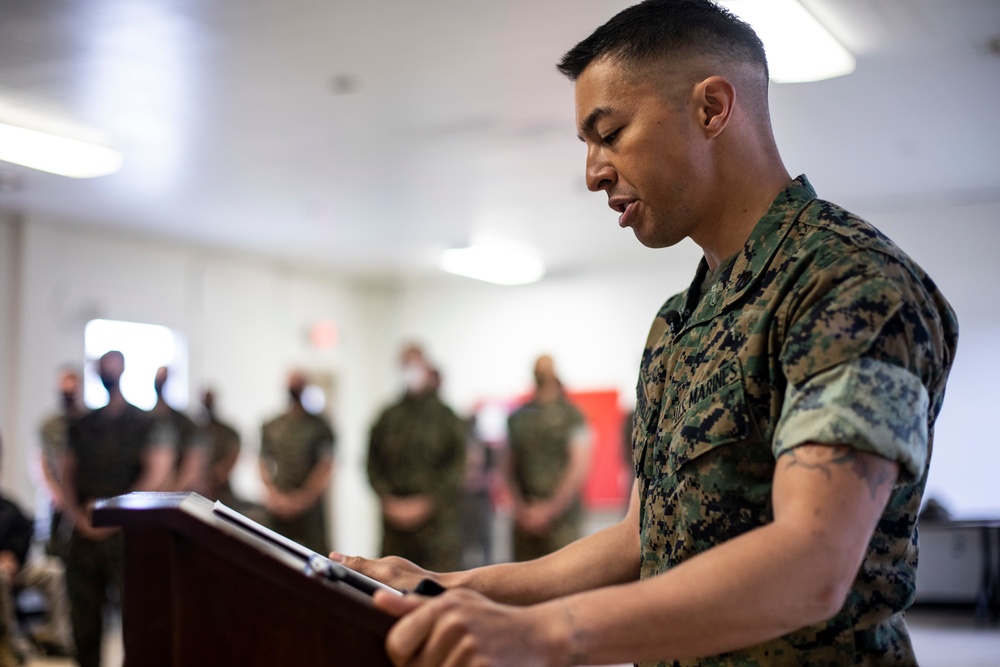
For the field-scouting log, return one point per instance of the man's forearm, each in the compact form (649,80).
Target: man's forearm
(157,467)
(791,573)
(317,482)
(603,559)
(749,590)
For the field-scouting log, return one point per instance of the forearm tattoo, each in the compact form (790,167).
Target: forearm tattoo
(874,470)
(577,655)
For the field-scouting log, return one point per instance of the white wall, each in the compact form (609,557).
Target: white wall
(486,338)
(10,229)
(957,246)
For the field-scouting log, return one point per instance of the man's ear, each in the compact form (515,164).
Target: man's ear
(715,98)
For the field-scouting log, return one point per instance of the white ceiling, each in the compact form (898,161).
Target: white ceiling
(365,136)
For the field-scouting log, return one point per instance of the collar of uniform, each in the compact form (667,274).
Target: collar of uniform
(744,271)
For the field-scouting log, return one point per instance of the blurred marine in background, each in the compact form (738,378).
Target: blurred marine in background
(416,464)
(549,453)
(296,465)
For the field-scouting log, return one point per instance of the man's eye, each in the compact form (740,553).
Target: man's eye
(609,139)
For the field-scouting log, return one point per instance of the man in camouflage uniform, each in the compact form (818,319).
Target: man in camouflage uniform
(191,464)
(547,465)
(53,445)
(416,465)
(296,465)
(224,450)
(114,450)
(786,400)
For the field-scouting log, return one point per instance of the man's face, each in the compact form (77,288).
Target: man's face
(160,379)
(69,384)
(110,368)
(643,149)
(296,385)
(414,371)
(545,371)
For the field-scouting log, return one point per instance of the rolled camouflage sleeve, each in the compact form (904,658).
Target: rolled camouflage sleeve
(163,434)
(325,443)
(866,404)
(853,367)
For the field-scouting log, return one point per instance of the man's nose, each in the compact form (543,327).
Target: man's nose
(600,175)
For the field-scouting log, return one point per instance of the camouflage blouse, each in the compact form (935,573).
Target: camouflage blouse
(540,437)
(819,330)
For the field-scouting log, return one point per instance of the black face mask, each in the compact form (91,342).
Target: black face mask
(296,394)
(109,381)
(69,401)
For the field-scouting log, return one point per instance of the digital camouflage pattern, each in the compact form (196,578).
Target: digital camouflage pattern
(291,445)
(53,434)
(417,447)
(91,568)
(540,437)
(223,442)
(819,330)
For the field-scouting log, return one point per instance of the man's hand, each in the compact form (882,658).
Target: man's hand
(462,628)
(284,505)
(407,513)
(393,571)
(536,518)
(84,525)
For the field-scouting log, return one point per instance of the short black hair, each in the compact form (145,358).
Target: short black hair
(654,29)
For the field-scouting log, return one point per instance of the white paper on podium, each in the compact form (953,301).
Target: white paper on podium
(312,562)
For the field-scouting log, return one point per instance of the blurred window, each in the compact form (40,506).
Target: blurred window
(146,347)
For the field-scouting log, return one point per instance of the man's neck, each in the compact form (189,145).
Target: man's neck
(73,411)
(746,192)
(116,402)
(546,394)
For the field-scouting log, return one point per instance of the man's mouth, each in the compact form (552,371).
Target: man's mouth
(627,209)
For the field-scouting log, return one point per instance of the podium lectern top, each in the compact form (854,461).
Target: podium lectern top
(202,589)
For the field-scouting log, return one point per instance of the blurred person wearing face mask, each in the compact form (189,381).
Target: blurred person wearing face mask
(416,465)
(296,466)
(52,437)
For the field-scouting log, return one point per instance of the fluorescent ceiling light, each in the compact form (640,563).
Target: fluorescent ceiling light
(493,264)
(56,155)
(799,48)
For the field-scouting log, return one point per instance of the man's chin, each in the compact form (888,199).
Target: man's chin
(650,240)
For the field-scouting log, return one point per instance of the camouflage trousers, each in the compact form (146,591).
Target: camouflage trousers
(94,569)
(564,530)
(436,546)
(308,529)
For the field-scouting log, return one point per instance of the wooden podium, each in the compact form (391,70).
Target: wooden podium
(200,590)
